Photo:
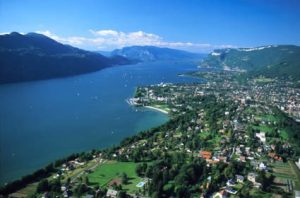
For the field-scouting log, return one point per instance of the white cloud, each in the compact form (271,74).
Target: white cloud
(112,39)
(4,33)
(49,34)
(73,40)
(104,33)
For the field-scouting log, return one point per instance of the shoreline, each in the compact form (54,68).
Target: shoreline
(157,109)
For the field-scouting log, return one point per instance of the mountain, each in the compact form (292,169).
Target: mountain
(152,53)
(104,53)
(35,57)
(271,61)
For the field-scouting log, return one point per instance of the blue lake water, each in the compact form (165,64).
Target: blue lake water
(43,121)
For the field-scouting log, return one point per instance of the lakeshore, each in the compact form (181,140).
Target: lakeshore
(100,111)
(157,109)
(134,102)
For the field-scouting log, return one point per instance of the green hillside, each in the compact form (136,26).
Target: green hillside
(272,61)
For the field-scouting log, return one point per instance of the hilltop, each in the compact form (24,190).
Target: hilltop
(281,61)
(152,53)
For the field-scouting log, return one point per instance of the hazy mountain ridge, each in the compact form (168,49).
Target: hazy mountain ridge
(271,61)
(152,53)
(34,57)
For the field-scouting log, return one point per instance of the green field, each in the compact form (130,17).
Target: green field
(113,170)
(268,118)
(27,191)
(296,171)
(287,171)
(263,128)
(283,170)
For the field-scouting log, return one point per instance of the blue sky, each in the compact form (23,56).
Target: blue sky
(195,25)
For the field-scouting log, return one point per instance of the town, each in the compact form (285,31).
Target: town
(225,138)
(251,129)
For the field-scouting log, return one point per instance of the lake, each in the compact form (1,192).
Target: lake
(43,121)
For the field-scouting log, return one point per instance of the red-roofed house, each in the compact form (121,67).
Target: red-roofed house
(205,154)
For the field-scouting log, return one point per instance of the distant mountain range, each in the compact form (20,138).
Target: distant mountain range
(281,61)
(35,56)
(152,53)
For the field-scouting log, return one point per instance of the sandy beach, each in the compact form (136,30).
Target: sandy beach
(157,109)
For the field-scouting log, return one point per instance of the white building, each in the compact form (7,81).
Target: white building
(262,166)
(298,163)
(111,193)
(251,177)
(261,136)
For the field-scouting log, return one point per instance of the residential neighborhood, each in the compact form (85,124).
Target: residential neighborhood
(224,139)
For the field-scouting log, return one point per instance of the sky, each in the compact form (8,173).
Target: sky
(193,25)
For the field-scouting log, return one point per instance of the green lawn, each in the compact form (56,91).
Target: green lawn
(284,134)
(268,118)
(28,191)
(113,170)
(263,128)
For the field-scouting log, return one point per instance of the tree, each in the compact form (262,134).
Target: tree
(124,178)
(141,169)
(68,181)
(245,191)
(86,180)
(149,171)
(43,186)
(265,180)
(229,171)
(165,176)
(81,189)
(122,194)
(137,154)
(100,192)
(182,191)
(55,185)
